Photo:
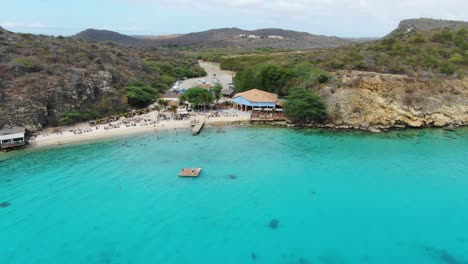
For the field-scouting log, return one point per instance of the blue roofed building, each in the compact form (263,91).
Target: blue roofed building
(255,99)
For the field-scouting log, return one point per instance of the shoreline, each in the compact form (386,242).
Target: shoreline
(49,138)
(185,126)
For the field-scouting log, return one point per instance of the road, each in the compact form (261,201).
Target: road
(214,72)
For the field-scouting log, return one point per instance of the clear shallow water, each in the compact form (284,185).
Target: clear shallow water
(400,197)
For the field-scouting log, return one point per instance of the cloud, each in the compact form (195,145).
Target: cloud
(123,29)
(16,24)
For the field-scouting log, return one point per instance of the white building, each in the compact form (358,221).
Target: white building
(12,138)
(275,37)
(254,37)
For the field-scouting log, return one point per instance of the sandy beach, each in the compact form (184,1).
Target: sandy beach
(149,123)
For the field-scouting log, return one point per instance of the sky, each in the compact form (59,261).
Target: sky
(344,18)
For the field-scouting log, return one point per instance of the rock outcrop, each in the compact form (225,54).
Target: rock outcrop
(373,101)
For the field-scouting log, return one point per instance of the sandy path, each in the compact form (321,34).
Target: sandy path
(212,68)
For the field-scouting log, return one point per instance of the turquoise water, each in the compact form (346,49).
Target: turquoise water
(265,196)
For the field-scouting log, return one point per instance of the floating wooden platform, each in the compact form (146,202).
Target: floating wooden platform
(190,172)
(198,127)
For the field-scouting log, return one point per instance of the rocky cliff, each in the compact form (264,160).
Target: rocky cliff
(43,79)
(373,101)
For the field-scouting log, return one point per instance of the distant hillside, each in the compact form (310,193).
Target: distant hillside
(427,24)
(157,37)
(232,39)
(433,48)
(238,39)
(111,36)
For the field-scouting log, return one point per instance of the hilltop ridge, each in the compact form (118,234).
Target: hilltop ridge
(234,39)
(427,24)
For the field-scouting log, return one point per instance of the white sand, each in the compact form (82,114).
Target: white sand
(48,138)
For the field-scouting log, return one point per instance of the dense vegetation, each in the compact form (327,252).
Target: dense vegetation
(279,78)
(199,96)
(72,117)
(441,52)
(304,106)
(140,94)
(170,72)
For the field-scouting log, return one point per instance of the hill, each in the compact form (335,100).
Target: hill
(46,81)
(235,39)
(427,24)
(111,36)
(427,50)
(227,39)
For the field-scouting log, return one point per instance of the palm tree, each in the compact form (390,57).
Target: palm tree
(174,108)
(164,103)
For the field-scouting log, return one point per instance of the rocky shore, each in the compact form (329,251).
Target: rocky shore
(376,102)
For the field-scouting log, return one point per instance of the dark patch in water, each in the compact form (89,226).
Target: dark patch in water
(304,261)
(253,256)
(5,204)
(274,223)
(232,176)
(443,256)
(461,240)
(331,258)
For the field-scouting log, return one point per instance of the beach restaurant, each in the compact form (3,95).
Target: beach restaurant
(12,138)
(255,100)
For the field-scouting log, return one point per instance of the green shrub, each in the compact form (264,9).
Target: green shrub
(443,37)
(26,65)
(303,106)
(73,117)
(139,94)
(448,69)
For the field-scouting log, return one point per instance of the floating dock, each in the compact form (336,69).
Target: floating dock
(198,127)
(190,172)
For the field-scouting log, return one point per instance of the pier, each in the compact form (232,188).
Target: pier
(190,172)
(198,127)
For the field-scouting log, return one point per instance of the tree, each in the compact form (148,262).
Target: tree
(303,106)
(273,78)
(163,103)
(139,94)
(183,99)
(245,80)
(216,90)
(174,108)
(199,96)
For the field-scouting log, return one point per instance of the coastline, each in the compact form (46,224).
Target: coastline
(49,138)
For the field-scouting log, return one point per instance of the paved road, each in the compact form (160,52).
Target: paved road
(225,77)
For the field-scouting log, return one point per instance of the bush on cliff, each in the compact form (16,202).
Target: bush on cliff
(72,117)
(304,106)
(140,94)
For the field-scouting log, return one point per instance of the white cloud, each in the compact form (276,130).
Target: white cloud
(123,29)
(17,24)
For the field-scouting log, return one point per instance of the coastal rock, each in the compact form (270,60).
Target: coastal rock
(365,101)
